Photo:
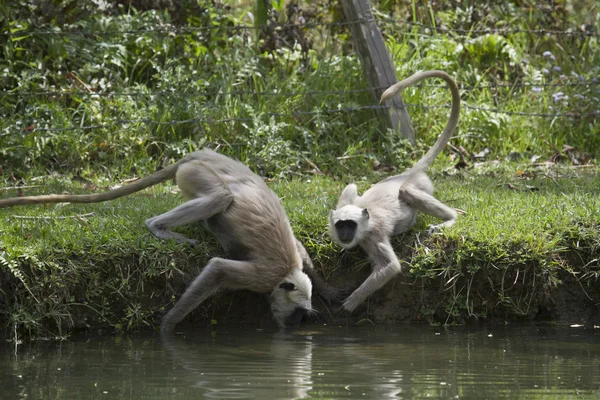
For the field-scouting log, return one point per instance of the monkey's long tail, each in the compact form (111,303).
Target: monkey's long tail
(446,134)
(160,176)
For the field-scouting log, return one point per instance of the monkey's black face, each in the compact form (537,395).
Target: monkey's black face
(346,230)
(291,299)
(296,317)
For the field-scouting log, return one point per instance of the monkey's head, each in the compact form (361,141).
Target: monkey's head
(348,225)
(291,299)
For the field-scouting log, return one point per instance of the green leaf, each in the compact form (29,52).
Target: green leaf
(260,12)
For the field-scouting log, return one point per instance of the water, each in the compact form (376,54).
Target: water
(374,362)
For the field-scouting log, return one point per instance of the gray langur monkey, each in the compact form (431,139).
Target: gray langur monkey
(390,206)
(250,224)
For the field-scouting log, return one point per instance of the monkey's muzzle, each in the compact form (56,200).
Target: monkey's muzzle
(346,230)
(296,317)
(346,239)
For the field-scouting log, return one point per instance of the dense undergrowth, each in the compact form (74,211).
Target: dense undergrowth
(92,95)
(86,88)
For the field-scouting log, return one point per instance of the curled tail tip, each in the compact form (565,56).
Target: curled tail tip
(389,93)
(384,96)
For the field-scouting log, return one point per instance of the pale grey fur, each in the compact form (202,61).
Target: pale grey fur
(249,222)
(390,206)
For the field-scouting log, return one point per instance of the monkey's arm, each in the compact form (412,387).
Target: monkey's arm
(219,272)
(385,267)
(426,203)
(329,293)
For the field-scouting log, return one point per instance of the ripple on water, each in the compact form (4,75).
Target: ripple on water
(352,362)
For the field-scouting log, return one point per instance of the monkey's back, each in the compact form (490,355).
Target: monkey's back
(391,214)
(254,226)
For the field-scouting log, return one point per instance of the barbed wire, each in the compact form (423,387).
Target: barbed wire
(504,31)
(209,120)
(212,121)
(170,29)
(175,30)
(275,93)
(179,94)
(536,114)
(178,30)
(485,31)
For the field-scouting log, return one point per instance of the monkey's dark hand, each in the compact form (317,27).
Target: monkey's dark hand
(341,312)
(167,325)
(434,230)
(334,295)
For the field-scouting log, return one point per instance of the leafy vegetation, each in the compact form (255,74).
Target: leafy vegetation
(93,93)
(85,86)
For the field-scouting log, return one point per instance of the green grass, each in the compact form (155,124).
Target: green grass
(106,270)
(125,96)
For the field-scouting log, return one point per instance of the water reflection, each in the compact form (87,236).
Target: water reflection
(271,366)
(316,362)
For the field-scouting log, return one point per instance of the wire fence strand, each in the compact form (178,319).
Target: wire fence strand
(212,121)
(501,31)
(19,93)
(171,29)
(181,30)
(276,93)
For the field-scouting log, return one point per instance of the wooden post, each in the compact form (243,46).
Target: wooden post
(377,63)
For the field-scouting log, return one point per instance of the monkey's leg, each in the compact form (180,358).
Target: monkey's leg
(426,203)
(217,273)
(194,210)
(385,267)
(329,293)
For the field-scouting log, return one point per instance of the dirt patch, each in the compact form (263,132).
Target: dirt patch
(419,301)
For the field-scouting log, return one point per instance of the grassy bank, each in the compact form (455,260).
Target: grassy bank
(529,236)
(91,96)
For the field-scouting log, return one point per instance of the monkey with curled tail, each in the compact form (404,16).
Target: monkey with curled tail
(390,206)
(250,224)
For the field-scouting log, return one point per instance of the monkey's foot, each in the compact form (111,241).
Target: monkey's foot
(191,242)
(178,237)
(160,232)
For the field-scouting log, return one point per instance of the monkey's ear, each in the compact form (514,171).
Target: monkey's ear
(289,286)
(365,213)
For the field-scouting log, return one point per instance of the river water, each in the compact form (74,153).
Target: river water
(364,362)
